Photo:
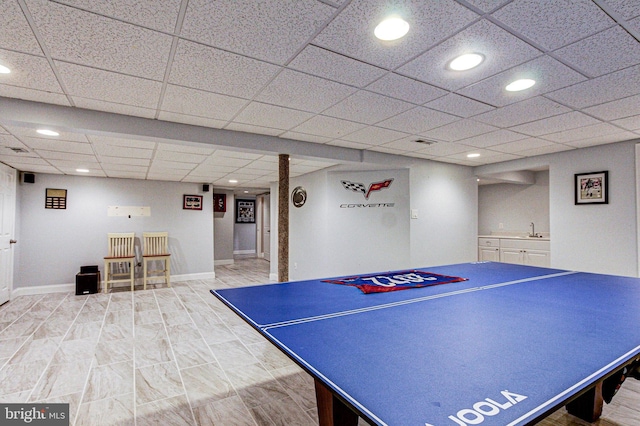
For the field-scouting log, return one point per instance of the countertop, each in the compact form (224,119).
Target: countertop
(516,237)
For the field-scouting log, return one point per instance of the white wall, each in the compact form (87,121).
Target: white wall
(514,206)
(55,243)
(326,240)
(446,197)
(223,224)
(591,238)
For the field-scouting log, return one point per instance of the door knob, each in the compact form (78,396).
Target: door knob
(13,241)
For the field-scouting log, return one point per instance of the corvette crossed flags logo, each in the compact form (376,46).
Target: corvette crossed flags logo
(359,187)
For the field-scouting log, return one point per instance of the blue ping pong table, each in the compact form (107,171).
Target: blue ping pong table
(506,347)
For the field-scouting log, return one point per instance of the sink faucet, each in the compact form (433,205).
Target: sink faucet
(533,230)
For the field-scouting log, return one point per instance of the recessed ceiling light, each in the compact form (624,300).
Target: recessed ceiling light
(466,62)
(47,132)
(233,181)
(4,70)
(521,84)
(473,155)
(391,29)
(82,170)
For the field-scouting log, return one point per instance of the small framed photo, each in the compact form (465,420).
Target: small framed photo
(245,211)
(192,202)
(219,203)
(592,188)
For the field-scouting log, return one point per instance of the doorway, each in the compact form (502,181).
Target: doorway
(7,228)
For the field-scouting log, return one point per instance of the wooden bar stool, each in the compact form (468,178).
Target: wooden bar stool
(156,249)
(121,256)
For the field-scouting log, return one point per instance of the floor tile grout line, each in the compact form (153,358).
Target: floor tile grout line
(175,359)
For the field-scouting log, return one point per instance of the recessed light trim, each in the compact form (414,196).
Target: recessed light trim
(82,170)
(4,70)
(391,28)
(233,181)
(466,62)
(521,84)
(473,155)
(47,132)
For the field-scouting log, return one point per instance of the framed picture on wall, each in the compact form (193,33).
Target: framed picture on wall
(592,188)
(245,211)
(219,203)
(192,202)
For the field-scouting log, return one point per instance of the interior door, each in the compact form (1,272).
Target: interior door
(7,227)
(266,226)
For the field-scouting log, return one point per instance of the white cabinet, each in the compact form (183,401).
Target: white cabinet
(489,249)
(525,252)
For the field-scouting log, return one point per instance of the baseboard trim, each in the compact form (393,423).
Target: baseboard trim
(222,262)
(241,252)
(71,288)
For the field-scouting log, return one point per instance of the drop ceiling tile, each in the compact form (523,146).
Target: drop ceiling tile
(351,32)
(28,71)
(601,53)
(71,170)
(602,89)
(165,176)
(157,165)
(554,24)
(374,136)
(108,168)
(500,49)
(109,86)
(304,92)
(57,155)
(271,30)
(443,149)
(126,175)
(558,123)
(33,95)
(155,14)
(249,128)
(122,151)
(333,66)
(517,147)
(628,9)
(26,133)
(265,166)
(404,145)
(92,40)
(179,157)
(124,161)
(522,112)
(15,32)
(493,138)
(629,123)
(549,149)
(22,160)
(368,108)
(620,108)
(548,73)
(596,130)
(60,146)
(328,127)
(459,130)
(221,153)
(259,114)
(113,107)
(187,101)
(305,137)
(133,143)
(459,105)
(487,5)
(406,89)
(201,150)
(226,162)
(418,120)
(214,70)
(603,139)
(195,176)
(191,119)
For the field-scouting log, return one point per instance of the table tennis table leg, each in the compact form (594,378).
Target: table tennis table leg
(331,410)
(588,406)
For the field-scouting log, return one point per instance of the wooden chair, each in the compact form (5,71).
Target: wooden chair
(121,257)
(156,249)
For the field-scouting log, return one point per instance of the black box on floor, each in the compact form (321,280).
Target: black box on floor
(87,283)
(92,269)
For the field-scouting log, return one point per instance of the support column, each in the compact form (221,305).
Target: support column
(283,218)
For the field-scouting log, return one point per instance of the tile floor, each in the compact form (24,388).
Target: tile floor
(172,356)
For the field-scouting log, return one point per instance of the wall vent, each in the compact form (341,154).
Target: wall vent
(425,141)
(17,150)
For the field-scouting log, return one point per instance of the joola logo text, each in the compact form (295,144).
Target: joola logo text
(486,408)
